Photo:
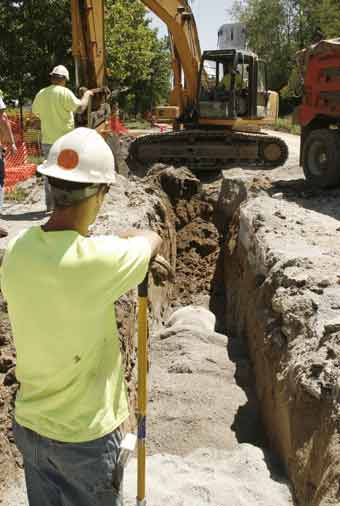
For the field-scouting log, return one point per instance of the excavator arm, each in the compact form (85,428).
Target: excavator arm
(185,48)
(88,45)
(88,49)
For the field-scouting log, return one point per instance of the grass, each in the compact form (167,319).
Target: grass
(16,194)
(286,125)
(37,160)
(138,124)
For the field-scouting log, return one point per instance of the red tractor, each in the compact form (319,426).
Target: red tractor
(319,114)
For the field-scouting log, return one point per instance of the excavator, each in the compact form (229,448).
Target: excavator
(218,103)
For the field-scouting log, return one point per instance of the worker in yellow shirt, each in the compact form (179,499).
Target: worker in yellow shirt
(226,81)
(55,106)
(60,285)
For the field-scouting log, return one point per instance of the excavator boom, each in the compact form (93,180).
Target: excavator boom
(88,49)
(88,44)
(185,47)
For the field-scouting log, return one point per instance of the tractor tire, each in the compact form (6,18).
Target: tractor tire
(321,158)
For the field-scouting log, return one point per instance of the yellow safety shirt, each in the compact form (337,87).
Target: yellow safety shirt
(55,106)
(60,288)
(226,82)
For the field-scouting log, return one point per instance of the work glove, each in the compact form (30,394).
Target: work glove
(161,271)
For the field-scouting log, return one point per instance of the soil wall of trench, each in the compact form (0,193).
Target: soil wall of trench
(282,289)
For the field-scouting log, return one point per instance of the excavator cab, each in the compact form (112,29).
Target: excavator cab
(233,84)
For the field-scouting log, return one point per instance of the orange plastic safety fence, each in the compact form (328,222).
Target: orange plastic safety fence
(22,164)
(117,126)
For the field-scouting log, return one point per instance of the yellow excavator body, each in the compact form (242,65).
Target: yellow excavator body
(213,124)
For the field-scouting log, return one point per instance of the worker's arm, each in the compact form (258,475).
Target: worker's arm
(131,252)
(84,101)
(74,104)
(153,239)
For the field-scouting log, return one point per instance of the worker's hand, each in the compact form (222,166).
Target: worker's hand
(13,149)
(89,93)
(161,271)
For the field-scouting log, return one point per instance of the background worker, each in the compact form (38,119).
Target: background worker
(226,81)
(60,286)
(6,137)
(55,106)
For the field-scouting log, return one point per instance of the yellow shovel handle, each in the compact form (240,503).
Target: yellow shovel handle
(142,387)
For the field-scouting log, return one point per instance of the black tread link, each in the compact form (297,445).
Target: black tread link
(235,137)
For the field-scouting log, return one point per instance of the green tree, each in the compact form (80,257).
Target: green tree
(277,29)
(35,36)
(136,58)
(328,12)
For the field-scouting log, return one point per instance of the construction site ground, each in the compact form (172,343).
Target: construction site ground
(217,426)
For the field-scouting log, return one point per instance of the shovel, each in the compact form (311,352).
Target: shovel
(161,272)
(142,387)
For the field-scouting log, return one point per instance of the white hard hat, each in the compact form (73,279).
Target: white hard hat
(2,104)
(81,156)
(60,70)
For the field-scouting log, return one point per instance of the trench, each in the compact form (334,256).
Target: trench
(230,419)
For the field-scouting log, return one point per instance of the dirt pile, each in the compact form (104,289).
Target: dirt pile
(211,476)
(195,399)
(190,206)
(9,455)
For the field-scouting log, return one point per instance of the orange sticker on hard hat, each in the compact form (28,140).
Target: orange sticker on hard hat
(68,159)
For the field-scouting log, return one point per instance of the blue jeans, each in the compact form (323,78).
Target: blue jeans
(48,193)
(71,474)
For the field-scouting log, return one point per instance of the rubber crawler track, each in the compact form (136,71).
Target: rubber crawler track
(237,142)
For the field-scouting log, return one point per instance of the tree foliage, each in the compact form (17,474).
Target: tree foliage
(135,56)
(277,29)
(36,35)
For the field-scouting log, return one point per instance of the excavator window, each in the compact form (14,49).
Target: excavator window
(226,82)
(262,93)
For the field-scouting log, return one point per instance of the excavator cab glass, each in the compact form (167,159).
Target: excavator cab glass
(262,89)
(233,85)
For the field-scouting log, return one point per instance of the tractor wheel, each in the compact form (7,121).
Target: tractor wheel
(321,158)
